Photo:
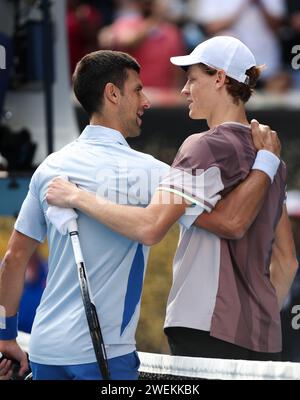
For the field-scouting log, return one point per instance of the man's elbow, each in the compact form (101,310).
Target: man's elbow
(240,231)
(289,269)
(9,260)
(151,236)
(293,265)
(14,259)
(234,230)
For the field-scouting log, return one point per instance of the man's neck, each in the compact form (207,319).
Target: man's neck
(106,122)
(227,113)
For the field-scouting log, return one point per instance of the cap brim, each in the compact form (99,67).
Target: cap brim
(184,61)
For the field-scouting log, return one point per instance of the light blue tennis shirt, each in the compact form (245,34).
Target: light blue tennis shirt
(100,160)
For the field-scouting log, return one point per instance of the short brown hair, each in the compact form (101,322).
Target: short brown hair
(95,70)
(239,91)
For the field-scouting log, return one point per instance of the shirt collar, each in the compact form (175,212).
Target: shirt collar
(236,123)
(102,134)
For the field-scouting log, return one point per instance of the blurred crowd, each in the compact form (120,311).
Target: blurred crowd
(154,30)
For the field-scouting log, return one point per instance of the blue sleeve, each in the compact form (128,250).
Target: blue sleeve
(31,220)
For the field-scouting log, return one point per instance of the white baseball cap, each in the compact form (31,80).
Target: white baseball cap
(221,52)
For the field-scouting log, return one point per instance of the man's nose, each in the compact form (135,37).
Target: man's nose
(146,102)
(185,91)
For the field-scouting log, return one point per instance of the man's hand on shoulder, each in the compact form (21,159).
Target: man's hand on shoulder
(264,138)
(61,193)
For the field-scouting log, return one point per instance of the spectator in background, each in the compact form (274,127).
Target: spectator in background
(106,8)
(290,329)
(35,282)
(181,13)
(141,28)
(6,62)
(83,22)
(255,23)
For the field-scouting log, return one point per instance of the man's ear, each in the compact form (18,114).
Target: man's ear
(220,79)
(112,93)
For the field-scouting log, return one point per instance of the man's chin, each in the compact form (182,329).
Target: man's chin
(194,115)
(135,133)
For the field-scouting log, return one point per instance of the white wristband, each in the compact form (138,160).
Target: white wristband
(266,162)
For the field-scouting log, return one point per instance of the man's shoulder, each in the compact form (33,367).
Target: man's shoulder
(47,166)
(147,160)
(214,137)
(229,137)
(197,138)
(45,163)
(218,146)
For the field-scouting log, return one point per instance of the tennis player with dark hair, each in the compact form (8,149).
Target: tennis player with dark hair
(108,86)
(226,294)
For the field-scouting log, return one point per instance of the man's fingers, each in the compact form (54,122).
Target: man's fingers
(271,142)
(254,122)
(7,376)
(5,369)
(5,366)
(257,134)
(24,367)
(57,178)
(265,138)
(254,126)
(60,182)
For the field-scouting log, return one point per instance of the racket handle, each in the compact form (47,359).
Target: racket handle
(73,231)
(72,226)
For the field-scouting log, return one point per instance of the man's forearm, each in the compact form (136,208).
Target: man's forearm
(12,272)
(284,262)
(11,285)
(146,225)
(233,215)
(282,275)
(132,222)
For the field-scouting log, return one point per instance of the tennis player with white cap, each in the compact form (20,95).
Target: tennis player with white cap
(222,302)
(224,53)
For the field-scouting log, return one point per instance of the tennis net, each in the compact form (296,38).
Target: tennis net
(165,367)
